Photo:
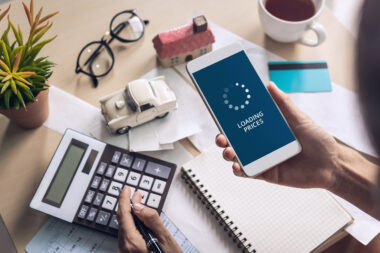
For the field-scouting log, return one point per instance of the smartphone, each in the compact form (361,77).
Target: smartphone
(243,109)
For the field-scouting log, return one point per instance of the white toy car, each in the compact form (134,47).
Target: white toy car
(141,101)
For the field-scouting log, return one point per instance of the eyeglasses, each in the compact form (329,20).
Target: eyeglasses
(96,59)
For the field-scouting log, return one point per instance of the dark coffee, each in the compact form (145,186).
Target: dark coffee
(291,10)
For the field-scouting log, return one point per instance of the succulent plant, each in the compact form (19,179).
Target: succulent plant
(22,74)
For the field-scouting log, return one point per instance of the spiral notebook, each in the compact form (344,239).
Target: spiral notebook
(263,217)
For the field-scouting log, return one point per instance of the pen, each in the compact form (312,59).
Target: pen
(150,239)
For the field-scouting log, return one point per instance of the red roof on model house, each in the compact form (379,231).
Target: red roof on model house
(181,40)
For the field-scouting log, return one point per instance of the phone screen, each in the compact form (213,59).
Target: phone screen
(242,105)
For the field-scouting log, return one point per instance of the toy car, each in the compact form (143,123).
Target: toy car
(141,101)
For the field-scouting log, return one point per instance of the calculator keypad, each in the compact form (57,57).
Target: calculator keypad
(110,171)
(144,195)
(146,182)
(98,199)
(95,182)
(133,178)
(159,186)
(89,196)
(102,168)
(109,202)
(91,214)
(114,188)
(103,218)
(116,170)
(120,174)
(104,185)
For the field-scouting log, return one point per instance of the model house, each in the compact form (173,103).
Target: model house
(185,43)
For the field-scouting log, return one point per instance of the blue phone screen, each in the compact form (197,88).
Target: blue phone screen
(243,107)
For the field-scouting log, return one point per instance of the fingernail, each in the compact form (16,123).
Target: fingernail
(137,207)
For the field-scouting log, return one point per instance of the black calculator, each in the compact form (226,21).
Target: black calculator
(81,184)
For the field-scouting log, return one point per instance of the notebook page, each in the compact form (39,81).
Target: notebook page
(272,218)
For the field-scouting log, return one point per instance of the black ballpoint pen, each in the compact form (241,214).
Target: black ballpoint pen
(151,241)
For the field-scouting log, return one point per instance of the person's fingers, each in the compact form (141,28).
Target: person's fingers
(238,170)
(151,219)
(124,215)
(291,112)
(229,154)
(221,141)
(136,198)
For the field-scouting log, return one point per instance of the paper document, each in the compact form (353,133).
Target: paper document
(68,111)
(59,236)
(178,124)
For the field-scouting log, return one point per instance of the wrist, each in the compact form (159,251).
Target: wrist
(354,178)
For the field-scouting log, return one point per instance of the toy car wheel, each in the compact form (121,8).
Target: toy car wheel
(123,130)
(162,115)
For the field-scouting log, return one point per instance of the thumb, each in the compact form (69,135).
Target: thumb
(151,219)
(291,112)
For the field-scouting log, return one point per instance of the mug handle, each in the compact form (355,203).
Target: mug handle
(319,31)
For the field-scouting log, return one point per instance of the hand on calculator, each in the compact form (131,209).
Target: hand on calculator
(130,239)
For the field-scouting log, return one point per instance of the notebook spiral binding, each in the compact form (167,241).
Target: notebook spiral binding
(215,210)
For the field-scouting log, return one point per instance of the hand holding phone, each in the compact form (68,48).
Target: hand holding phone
(307,169)
(243,109)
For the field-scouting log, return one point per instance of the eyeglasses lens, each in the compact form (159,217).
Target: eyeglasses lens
(95,59)
(128,26)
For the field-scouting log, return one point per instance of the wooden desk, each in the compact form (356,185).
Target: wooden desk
(25,154)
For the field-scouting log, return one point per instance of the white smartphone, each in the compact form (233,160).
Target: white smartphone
(243,109)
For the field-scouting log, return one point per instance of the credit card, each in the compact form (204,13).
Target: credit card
(300,76)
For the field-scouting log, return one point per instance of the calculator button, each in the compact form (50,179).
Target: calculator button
(109,203)
(144,195)
(138,164)
(98,199)
(103,218)
(110,171)
(133,178)
(126,160)
(114,188)
(158,170)
(146,182)
(120,174)
(102,168)
(90,195)
(104,185)
(159,186)
(114,223)
(154,200)
(116,157)
(82,212)
(95,182)
(91,214)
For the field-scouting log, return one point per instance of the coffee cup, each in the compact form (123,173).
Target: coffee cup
(286,24)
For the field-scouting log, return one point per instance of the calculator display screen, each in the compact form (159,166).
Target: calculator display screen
(65,173)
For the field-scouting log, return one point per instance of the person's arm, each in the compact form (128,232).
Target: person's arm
(322,163)
(355,179)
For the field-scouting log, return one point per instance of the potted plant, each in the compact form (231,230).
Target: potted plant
(24,75)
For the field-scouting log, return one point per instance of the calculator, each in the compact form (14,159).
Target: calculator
(81,184)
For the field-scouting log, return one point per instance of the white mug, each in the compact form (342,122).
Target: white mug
(292,31)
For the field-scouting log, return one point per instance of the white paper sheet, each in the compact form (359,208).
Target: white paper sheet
(68,111)
(339,114)
(179,124)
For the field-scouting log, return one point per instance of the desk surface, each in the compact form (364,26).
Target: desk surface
(25,154)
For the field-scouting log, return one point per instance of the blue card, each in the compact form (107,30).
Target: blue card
(300,76)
